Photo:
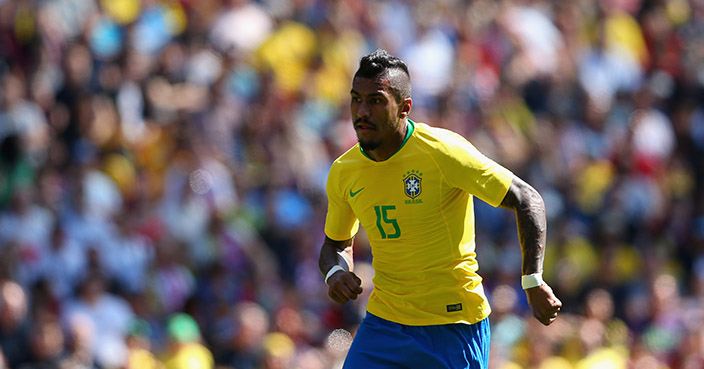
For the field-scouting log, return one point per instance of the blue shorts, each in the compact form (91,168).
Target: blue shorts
(380,343)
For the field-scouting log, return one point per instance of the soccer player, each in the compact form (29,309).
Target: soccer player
(410,186)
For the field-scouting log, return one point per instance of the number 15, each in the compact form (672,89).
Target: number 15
(382,215)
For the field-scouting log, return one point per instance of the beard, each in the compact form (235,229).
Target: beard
(368,145)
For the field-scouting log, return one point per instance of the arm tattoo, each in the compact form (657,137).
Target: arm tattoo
(530,221)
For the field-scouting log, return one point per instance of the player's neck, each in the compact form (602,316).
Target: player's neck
(386,150)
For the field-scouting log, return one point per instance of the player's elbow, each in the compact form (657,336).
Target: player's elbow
(532,197)
(522,197)
(530,200)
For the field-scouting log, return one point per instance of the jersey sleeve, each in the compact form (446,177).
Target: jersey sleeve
(467,168)
(340,222)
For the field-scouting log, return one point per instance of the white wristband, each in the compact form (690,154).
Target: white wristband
(531,280)
(332,271)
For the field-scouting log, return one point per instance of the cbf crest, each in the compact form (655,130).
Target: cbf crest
(412,184)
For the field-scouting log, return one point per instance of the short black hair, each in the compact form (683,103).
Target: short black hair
(380,64)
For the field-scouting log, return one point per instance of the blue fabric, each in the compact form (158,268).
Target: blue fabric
(380,343)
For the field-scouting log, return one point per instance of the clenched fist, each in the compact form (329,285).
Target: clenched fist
(344,286)
(544,303)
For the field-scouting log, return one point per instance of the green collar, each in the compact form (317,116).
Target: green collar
(410,127)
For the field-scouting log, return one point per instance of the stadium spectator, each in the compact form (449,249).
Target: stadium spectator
(184,349)
(15,324)
(103,317)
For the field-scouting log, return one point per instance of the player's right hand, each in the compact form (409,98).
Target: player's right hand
(344,286)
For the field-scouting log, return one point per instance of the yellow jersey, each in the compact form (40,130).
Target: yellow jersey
(417,209)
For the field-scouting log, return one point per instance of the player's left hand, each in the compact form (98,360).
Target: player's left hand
(544,303)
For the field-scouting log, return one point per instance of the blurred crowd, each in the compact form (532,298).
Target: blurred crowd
(163,165)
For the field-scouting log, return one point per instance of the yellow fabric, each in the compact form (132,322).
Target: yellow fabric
(176,16)
(122,171)
(605,358)
(555,362)
(623,31)
(122,11)
(288,53)
(190,356)
(423,241)
(278,344)
(142,359)
(339,55)
(592,184)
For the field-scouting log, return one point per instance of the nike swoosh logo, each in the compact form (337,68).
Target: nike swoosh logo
(353,194)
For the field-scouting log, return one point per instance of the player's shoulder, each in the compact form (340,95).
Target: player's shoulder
(344,167)
(438,138)
(352,154)
(350,158)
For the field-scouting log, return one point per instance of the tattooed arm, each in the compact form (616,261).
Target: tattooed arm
(530,219)
(531,223)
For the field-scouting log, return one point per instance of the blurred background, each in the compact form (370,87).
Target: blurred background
(163,164)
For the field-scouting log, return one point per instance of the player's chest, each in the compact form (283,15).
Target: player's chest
(409,188)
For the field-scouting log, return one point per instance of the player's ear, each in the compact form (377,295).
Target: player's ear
(406,106)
